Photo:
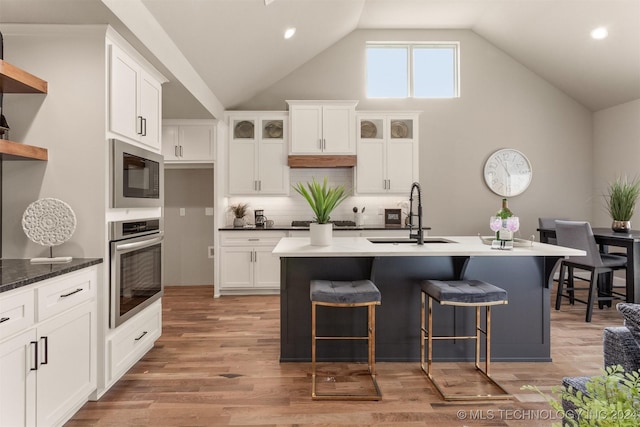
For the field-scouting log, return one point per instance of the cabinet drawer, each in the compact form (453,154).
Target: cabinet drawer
(133,339)
(66,292)
(16,312)
(251,238)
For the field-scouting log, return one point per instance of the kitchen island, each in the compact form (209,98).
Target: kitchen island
(520,330)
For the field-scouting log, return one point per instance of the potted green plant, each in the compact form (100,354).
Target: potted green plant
(239,211)
(323,200)
(611,399)
(621,201)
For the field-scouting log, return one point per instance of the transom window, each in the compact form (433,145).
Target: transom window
(413,70)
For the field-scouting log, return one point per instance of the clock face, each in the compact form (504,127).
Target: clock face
(507,172)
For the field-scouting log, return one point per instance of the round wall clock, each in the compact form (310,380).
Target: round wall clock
(507,172)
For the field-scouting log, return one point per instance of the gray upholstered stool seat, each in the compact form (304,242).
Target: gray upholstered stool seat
(470,293)
(464,292)
(345,294)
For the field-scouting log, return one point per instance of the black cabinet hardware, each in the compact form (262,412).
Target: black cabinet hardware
(71,293)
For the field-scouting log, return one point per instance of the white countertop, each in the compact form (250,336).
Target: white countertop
(460,246)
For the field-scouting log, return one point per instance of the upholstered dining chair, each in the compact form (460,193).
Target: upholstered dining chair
(550,224)
(578,235)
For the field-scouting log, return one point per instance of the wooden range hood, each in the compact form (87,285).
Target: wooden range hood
(322,161)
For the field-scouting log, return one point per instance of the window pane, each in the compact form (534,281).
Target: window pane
(434,72)
(387,72)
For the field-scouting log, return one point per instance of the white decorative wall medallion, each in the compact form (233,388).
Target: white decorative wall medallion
(49,222)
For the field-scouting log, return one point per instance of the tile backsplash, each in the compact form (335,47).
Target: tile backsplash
(283,209)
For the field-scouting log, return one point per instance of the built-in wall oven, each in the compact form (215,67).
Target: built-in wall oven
(137,176)
(135,267)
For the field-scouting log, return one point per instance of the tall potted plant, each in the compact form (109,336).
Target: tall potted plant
(621,201)
(323,200)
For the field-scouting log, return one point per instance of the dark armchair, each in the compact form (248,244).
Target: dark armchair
(621,346)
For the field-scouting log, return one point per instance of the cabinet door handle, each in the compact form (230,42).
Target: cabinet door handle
(35,356)
(175,151)
(71,293)
(180,147)
(4,319)
(255,256)
(259,185)
(251,256)
(144,127)
(389,185)
(141,336)
(254,239)
(46,350)
(139,130)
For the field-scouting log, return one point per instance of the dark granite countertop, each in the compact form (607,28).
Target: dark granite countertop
(15,273)
(288,227)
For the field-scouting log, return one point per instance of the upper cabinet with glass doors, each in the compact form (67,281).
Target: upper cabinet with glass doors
(388,148)
(257,153)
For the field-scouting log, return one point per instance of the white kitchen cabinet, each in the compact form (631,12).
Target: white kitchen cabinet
(48,368)
(188,141)
(257,153)
(247,265)
(18,381)
(135,99)
(132,340)
(387,153)
(322,127)
(67,375)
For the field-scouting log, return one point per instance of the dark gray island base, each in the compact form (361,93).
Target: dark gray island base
(520,330)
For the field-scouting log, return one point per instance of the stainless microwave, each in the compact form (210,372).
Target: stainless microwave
(137,176)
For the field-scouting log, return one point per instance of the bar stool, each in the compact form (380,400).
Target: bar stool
(466,293)
(345,294)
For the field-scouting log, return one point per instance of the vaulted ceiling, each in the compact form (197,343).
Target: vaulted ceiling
(236,46)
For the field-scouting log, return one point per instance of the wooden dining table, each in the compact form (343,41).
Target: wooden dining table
(605,237)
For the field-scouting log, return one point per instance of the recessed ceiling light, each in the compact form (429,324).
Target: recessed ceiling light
(289,33)
(599,33)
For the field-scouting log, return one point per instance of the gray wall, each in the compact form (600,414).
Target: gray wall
(502,104)
(616,138)
(70,122)
(187,237)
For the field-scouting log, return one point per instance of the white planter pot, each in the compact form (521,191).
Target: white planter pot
(320,234)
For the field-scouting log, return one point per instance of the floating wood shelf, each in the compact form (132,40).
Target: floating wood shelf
(10,150)
(16,80)
(322,161)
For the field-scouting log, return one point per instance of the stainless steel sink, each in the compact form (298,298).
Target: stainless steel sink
(398,240)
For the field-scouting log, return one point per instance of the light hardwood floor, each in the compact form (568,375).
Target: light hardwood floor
(216,364)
